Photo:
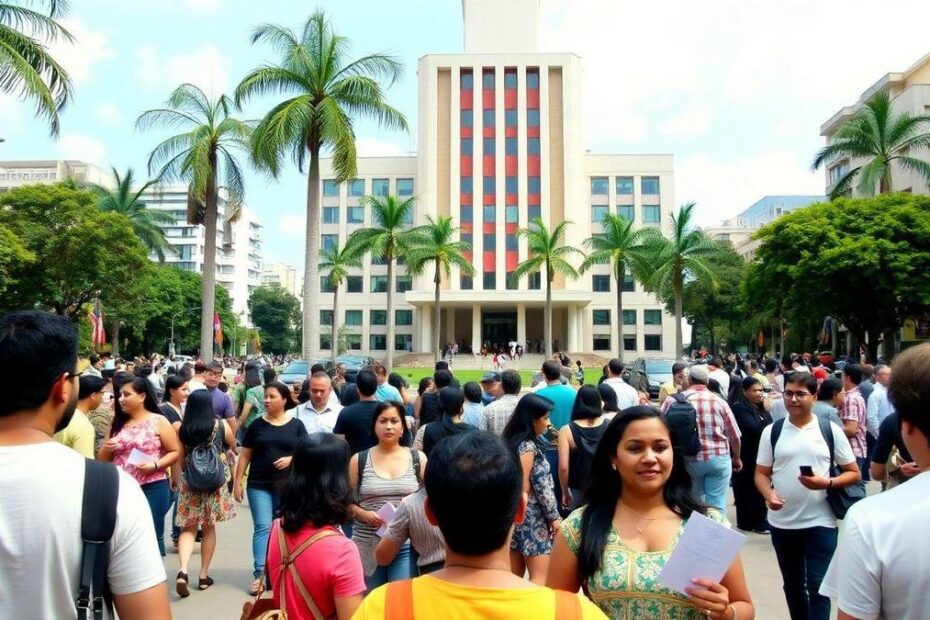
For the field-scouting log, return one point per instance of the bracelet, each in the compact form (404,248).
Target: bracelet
(733,609)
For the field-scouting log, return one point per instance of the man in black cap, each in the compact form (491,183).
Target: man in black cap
(491,387)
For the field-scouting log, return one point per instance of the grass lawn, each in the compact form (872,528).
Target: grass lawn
(413,375)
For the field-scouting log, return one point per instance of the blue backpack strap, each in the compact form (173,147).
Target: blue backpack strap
(776,432)
(98,521)
(827,431)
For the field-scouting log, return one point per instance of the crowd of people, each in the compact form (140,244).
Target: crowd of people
(485,500)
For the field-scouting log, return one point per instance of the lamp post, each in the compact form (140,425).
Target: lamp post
(173,317)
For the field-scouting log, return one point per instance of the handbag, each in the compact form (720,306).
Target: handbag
(265,608)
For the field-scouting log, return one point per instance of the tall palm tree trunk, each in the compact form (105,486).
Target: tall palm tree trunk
(389,358)
(333,343)
(208,284)
(437,333)
(679,344)
(548,318)
(620,277)
(114,341)
(311,318)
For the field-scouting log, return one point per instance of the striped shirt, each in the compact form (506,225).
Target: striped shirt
(410,522)
(716,425)
(496,415)
(854,409)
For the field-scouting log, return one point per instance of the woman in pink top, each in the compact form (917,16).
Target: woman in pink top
(315,502)
(143,444)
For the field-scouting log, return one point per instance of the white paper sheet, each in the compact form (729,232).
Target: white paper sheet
(386,513)
(138,457)
(705,550)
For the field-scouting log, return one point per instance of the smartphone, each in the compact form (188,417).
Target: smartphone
(807,470)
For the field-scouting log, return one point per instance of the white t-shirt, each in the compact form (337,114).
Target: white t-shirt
(193,385)
(627,396)
(723,378)
(803,507)
(41,490)
(879,569)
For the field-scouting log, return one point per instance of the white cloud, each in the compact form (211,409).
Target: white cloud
(89,48)
(205,67)
(84,148)
(108,113)
(693,121)
(293,224)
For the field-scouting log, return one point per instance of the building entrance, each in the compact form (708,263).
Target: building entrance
(498,328)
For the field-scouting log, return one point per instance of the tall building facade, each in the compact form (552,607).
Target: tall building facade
(738,230)
(499,145)
(283,275)
(15,174)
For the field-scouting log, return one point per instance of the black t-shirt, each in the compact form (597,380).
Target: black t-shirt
(269,443)
(889,435)
(429,410)
(169,412)
(354,422)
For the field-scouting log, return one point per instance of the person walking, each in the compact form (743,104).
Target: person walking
(577,442)
(354,422)
(751,417)
(854,415)
(473,405)
(639,501)
(830,399)
(532,540)
(80,435)
(267,445)
(251,398)
(626,393)
(139,431)
(172,408)
(200,509)
(451,400)
(411,523)
(495,416)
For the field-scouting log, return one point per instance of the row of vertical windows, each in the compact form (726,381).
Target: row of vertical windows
(648,186)
(379,187)
(510,79)
(602,283)
(651,342)
(353,342)
(378,284)
(650,317)
(375,317)
(652,214)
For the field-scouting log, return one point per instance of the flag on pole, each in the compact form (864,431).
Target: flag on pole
(98,335)
(217,329)
(256,342)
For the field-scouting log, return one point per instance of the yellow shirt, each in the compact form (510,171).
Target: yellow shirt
(666,390)
(435,598)
(78,435)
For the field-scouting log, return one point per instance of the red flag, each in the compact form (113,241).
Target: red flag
(98,335)
(217,329)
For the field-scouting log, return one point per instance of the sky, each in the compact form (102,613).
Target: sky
(736,90)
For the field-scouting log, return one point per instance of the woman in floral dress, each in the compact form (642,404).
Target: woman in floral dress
(638,502)
(532,539)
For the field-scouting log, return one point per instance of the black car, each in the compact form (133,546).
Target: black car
(297,371)
(353,364)
(648,375)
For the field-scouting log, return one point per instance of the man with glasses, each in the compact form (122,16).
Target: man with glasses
(222,404)
(803,526)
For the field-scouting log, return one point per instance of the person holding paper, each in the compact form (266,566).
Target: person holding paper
(639,499)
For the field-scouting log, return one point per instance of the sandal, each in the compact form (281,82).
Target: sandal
(204,582)
(181,586)
(255,587)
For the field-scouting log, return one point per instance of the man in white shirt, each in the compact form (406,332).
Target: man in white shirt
(42,486)
(879,406)
(880,566)
(626,393)
(716,371)
(319,413)
(803,525)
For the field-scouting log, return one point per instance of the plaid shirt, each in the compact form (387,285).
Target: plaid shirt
(496,414)
(854,409)
(716,424)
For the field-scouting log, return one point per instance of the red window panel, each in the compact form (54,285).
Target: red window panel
(489,199)
(510,132)
(489,227)
(487,99)
(466,99)
(490,261)
(534,200)
(511,198)
(532,166)
(532,132)
(467,132)
(532,99)
(467,163)
(511,260)
(488,163)
(465,199)
(488,132)
(466,228)
(510,99)
(510,229)
(469,255)
(510,165)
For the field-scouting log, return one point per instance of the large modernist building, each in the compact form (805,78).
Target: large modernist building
(15,174)
(500,144)
(738,230)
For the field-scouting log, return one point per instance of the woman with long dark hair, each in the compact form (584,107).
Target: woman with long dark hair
(638,501)
(251,405)
(609,398)
(139,429)
(751,417)
(451,403)
(315,502)
(577,442)
(200,509)
(268,444)
(172,404)
(531,543)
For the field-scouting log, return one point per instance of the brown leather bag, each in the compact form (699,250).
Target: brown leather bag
(265,608)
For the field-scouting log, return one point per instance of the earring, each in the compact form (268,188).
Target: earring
(613,467)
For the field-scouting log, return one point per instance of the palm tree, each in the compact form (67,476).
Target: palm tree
(337,262)
(622,248)
(546,253)
(330,91)
(204,158)
(878,135)
(390,237)
(439,248)
(689,253)
(126,200)
(27,69)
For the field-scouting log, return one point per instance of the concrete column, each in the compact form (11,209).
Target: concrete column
(521,324)
(572,336)
(450,325)
(426,330)
(476,327)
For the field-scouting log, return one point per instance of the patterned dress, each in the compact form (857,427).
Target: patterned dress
(627,585)
(532,536)
(206,507)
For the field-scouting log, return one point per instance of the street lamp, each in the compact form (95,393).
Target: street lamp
(173,317)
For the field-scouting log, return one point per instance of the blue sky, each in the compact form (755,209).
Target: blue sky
(736,90)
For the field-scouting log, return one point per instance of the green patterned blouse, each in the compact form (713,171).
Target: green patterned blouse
(627,585)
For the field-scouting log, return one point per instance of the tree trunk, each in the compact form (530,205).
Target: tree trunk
(437,333)
(114,346)
(679,345)
(781,333)
(389,358)
(208,284)
(884,185)
(872,346)
(620,277)
(713,336)
(333,342)
(311,318)
(548,318)
(888,345)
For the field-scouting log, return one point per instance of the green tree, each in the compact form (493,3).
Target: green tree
(862,261)
(127,200)
(667,263)
(336,263)
(621,247)
(391,237)
(275,312)
(546,254)
(330,91)
(13,257)
(203,157)
(439,248)
(876,134)
(27,69)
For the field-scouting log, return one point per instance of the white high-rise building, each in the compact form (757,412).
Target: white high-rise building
(14,174)
(283,275)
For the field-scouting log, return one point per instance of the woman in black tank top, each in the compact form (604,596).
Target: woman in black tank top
(577,442)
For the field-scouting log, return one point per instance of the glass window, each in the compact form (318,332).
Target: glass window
(510,118)
(490,242)
(490,213)
(601,317)
(629,342)
(325,341)
(465,282)
(354,284)
(467,147)
(330,215)
(379,187)
(326,317)
(511,242)
(511,282)
(628,284)
(625,211)
(378,317)
(354,342)
(487,118)
(357,188)
(466,213)
(377,342)
(600,284)
(330,242)
(652,342)
(403,317)
(355,215)
(532,117)
(489,185)
(330,188)
(403,342)
(405,187)
(511,185)
(489,146)
(467,238)
(325,285)
(598,186)
(652,317)
(629,317)
(601,342)
(532,146)
(533,212)
(534,282)
(599,212)
(467,118)
(378,284)
(353,317)
(487,79)
(532,78)
(403,283)
(652,214)
(466,185)
(625,186)
(511,214)
(650,185)
(533,185)
(510,78)
(490,280)
(467,80)
(510,146)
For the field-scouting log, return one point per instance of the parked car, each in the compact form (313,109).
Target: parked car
(648,375)
(297,370)
(353,364)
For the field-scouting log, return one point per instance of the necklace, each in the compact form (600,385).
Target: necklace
(648,520)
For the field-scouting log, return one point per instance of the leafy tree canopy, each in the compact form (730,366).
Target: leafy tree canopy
(276,312)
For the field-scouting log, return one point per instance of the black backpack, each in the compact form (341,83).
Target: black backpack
(204,470)
(682,418)
(98,520)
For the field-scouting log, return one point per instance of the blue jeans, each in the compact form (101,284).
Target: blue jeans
(397,570)
(710,480)
(803,557)
(263,504)
(158,495)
